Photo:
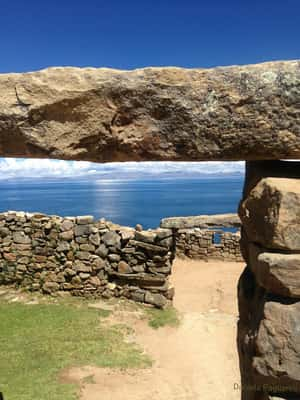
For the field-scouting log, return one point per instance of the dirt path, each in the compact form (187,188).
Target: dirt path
(198,360)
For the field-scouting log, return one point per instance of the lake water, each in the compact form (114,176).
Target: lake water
(124,202)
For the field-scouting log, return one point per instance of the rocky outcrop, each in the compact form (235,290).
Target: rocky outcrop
(229,113)
(85,257)
(269,289)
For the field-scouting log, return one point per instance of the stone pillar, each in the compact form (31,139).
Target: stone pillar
(269,288)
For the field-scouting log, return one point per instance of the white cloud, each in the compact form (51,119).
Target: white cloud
(27,168)
(37,168)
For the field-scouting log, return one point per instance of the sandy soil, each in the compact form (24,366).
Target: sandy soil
(197,360)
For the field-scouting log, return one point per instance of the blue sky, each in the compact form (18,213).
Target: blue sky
(35,34)
(129,34)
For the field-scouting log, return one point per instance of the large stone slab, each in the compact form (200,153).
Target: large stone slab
(202,221)
(271,214)
(278,273)
(140,279)
(229,113)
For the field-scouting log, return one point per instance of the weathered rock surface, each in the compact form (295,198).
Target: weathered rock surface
(257,170)
(202,221)
(271,214)
(229,113)
(278,345)
(278,273)
(268,292)
(268,341)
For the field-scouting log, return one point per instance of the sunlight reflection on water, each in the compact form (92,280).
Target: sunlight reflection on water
(126,202)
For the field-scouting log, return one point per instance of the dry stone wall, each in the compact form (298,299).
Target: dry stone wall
(87,258)
(203,237)
(204,244)
(269,288)
(51,254)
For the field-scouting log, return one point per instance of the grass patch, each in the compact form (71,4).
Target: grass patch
(88,380)
(159,318)
(104,313)
(38,341)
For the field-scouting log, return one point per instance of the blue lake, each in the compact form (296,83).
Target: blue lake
(126,202)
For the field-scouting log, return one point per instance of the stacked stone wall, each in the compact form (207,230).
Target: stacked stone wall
(88,258)
(207,244)
(204,237)
(269,288)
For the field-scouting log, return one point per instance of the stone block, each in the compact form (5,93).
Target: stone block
(277,345)
(271,214)
(145,236)
(81,230)
(84,275)
(102,250)
(114,257)
(127,233)
(138,296)
(98,264)
(95,281)
(124,268)
(95,239)
(202,221)
(83,255)
(156,299)
(278,273)
(147,246)
(87,247)
(111,239)
(80,267)
(9,257)
(85,219)
(268,337)
(67,225)
(4,231)
(50,287)
(21,238)
(67,235)
(63,246)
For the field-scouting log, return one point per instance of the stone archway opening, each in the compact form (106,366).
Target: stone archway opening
(108,259)
(235,113)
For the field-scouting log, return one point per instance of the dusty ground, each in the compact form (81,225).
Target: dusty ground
(197,360)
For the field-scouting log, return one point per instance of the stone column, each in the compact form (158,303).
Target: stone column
(269,288)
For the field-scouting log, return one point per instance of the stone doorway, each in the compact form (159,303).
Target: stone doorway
(234,113)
